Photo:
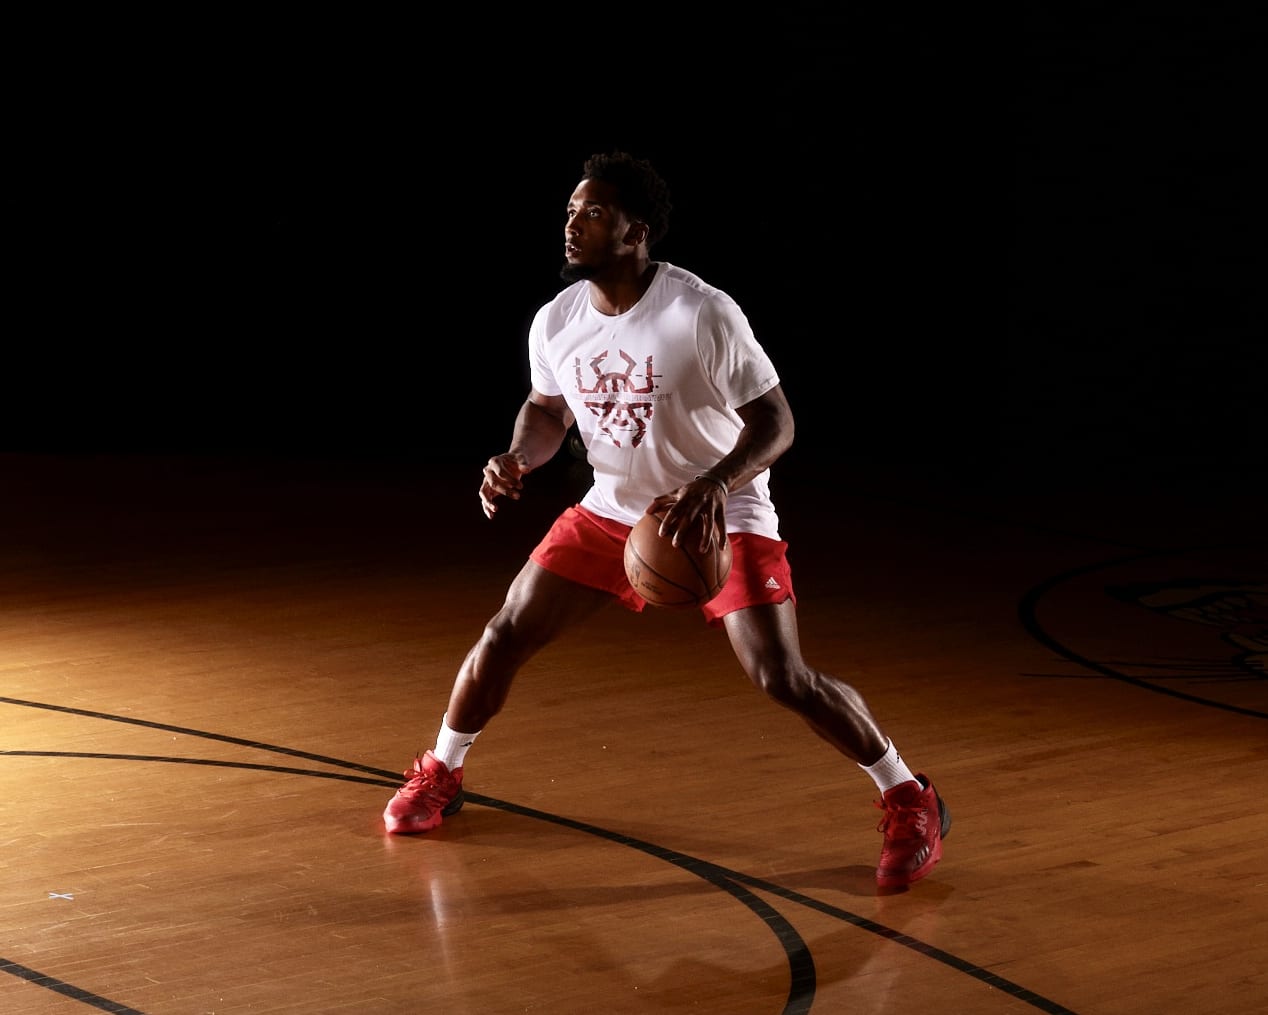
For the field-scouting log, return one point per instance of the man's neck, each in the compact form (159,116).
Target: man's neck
(616,296)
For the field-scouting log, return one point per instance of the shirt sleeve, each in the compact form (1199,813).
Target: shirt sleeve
(539,371)
(733,357)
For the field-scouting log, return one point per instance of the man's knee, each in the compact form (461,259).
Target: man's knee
(778,680)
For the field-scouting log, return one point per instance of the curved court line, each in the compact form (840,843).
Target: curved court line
(1027,612)
(801,967)
(204,734)
(717,875)
(800,961)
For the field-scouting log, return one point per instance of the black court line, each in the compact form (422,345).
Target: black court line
(65,989)
(204,734)
(722,876)
(1028,609)
(800,960)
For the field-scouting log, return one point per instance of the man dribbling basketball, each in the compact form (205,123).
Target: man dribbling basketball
(627,325)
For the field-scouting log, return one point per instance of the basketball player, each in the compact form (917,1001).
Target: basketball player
(624,328)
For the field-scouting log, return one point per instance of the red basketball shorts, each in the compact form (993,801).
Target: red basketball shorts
(590,550)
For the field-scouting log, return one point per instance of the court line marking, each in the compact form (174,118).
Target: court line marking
(800,959)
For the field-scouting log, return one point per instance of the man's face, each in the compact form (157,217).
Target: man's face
(596,231)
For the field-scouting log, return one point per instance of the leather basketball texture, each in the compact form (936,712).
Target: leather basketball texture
(674,576)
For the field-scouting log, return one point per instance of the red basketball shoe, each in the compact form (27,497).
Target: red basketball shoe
(915,823)
(430,794)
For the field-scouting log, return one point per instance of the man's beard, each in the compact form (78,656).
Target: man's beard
(577,272)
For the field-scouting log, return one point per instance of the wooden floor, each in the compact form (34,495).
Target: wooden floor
(216,669)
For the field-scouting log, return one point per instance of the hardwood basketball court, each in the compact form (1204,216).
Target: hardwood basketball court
(215,671)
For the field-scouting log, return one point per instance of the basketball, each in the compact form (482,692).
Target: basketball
(673,576)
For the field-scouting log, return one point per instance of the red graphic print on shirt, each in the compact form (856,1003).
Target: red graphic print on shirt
(617,397)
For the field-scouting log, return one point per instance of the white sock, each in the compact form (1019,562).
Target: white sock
(451,746)
(890,770)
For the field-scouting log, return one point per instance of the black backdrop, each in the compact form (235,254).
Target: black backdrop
(997,247)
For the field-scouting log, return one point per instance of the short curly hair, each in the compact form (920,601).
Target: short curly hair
(640,190)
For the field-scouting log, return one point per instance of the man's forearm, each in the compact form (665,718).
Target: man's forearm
(538,434)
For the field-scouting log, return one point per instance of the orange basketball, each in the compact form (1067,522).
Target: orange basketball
(676,576)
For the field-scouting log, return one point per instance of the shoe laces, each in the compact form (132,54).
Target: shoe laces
(421,783)
(903,821)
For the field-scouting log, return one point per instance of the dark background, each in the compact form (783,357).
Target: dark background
(1013,248)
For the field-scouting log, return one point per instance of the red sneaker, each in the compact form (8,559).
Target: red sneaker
(430,793)
(915,823)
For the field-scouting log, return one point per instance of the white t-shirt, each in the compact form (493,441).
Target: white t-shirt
(654,390)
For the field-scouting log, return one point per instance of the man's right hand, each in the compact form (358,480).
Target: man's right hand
(503,477)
